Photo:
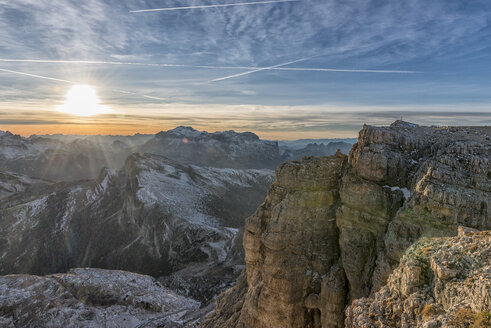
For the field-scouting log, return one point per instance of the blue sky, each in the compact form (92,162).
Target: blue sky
(447,43)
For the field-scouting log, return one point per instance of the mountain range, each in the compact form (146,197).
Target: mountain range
(392,233)
(70,158)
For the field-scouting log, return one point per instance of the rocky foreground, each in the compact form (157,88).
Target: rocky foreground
(440,282)
(332,231)
(91,298)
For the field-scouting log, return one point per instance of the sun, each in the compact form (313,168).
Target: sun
(82,100)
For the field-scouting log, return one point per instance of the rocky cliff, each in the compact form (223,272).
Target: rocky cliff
(440,282)
(333,229)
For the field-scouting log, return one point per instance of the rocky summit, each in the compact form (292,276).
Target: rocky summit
(326,248)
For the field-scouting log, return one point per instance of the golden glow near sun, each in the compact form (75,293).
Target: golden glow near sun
(82,100)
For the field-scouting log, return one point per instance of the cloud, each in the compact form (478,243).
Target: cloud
(254,69)
(381,31)
(274,122)
(72,82)
(171,55)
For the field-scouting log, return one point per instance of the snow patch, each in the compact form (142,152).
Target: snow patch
(405,191)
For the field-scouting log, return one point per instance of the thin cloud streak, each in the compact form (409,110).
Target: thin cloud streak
(344,70)
(306,69)
(126,92)
(259,70)
(73,82)
(212,6)
(36,76)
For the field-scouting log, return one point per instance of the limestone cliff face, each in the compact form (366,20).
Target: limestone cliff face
(292,238)
(440,282)
(332,229)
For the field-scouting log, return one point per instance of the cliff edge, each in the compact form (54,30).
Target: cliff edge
(333,229)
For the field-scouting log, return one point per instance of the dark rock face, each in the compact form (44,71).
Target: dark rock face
(11,183)
(154,216)
(219,149)
(229,305)
(333,229)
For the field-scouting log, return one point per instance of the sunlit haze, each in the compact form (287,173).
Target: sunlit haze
(282,69)
(82,100)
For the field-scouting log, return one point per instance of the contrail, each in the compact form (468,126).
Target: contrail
(212,6)
(36,76)
(73,82)
(126,92)
(280,68)
(259,70)
(343,70)
(93,62)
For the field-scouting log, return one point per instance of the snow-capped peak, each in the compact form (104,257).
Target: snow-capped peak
(183,132)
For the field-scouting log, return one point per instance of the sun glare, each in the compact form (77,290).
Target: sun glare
(82,100)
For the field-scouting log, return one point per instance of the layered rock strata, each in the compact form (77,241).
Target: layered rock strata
(332,229)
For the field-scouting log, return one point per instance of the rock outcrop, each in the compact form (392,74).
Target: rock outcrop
(332,229)
(440,282)
(91,298)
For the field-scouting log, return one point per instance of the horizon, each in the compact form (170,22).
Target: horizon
(282,68)
(211,132)
(154,133)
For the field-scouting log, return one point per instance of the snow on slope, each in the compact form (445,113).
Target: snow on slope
(90,298)
(184,188)
(153,216)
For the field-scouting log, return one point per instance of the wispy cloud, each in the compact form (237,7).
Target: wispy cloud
(194,46)
(212,6)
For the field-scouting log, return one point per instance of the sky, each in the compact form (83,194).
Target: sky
(282,69)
